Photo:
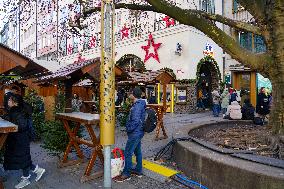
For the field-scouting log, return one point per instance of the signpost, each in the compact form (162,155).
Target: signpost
(107,86)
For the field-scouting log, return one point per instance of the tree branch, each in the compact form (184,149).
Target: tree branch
(121,6)
(254,61)
(255,7)
(243,26)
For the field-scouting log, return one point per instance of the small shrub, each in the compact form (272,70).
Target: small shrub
(123,113)
(55,137)
(38,111)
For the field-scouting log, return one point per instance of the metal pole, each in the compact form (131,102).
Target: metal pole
(107,86)
(36,31)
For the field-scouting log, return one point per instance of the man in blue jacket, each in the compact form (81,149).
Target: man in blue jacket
(135,133)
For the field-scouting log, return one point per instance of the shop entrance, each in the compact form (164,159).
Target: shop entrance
(208,79)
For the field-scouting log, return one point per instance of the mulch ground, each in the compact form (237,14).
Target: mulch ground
(239,136)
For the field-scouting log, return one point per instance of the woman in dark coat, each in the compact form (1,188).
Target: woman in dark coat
(17,150)
(262,106)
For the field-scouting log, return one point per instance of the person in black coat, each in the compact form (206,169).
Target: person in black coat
(17,149)
(247,110)
(262,106)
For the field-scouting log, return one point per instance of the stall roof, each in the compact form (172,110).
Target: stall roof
(13,61)
(149,77)
(51,66)
(78,70)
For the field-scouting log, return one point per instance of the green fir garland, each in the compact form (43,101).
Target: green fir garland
(211,60)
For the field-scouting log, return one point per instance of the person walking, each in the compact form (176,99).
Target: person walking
(135,133)
(225,101)
(216,103)
(17,149)
(200,103)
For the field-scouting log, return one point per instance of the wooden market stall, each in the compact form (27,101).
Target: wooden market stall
(72,75)
(17,69)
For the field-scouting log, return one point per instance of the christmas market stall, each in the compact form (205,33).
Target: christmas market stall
(17,69)
(81,78)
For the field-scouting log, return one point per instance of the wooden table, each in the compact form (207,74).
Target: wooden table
(160,124)
(6,127)
(88,120)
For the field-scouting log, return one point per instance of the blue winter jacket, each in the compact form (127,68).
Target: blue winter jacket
(134,124)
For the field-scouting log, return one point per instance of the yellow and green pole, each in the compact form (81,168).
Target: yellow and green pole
(107,86)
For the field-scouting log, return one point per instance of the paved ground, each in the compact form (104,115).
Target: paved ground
(177,125)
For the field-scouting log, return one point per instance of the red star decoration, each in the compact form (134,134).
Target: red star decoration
(92,42)
(168,21)
(124,32)
(70,49)
(156,47)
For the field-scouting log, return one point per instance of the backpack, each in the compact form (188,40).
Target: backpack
(258,121)
(150,120)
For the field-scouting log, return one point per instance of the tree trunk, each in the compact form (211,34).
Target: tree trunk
(276,25)
(276,119)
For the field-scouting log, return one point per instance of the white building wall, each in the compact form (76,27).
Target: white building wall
(193,43)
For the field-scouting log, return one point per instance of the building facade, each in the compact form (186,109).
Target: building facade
(241,77)
(150,39)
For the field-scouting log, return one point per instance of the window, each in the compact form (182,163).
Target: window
(252,42)
(75,44)
(246,40)
(236,6)
(259,44)
(207,6)
(118,19)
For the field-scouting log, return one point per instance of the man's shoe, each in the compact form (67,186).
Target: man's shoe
(24,182)
(121,178)
(134,173)
(39,172)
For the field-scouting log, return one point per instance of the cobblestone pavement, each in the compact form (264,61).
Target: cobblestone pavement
(176,125)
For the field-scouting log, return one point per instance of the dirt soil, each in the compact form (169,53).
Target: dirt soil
(240,136)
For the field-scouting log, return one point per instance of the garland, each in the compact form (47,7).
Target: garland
(137,63)
(210,60)
(187,81)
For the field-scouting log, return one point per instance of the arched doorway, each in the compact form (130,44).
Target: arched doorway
(131,62)
(208,78)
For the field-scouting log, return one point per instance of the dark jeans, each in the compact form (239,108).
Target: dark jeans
(224,110)
(216,110)
(200,104)
(26,171)
(133,145)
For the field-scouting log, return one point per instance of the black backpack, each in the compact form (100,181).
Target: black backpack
(258,121)
(150,121)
